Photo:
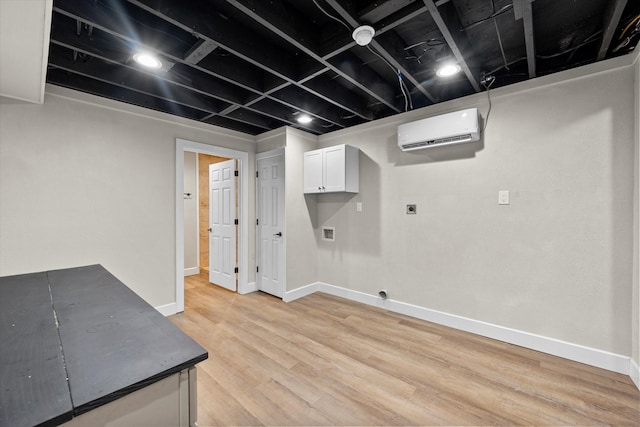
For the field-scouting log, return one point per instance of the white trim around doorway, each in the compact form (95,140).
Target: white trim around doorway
(183,145)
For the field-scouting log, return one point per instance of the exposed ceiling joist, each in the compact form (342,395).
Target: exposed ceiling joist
(396,64)
(377,11)
(191,79)
(230,37)
(453,39)
(253,65)
(522,10)
(363,79)
(413,10)
(400,17)
(200,51)
(611,22)
(137,82)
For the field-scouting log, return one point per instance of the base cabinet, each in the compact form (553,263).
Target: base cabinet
(332,169)
(170,402)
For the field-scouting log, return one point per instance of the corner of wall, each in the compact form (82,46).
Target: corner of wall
(301,212)
(291,132)
(167,309)
(635,329)
(271,140)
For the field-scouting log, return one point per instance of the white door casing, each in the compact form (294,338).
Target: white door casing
(222,223)
(270,230)
(244,286)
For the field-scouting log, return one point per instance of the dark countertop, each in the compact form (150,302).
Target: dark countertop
(85,324)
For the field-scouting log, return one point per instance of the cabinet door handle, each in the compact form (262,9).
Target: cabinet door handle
(278,234)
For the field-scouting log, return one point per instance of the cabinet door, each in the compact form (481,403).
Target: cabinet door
(313,171)
(334,168)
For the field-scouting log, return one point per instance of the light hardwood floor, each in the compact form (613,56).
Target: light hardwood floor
(322,360)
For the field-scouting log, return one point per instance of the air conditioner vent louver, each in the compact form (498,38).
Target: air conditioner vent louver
(442,141)
(452,128)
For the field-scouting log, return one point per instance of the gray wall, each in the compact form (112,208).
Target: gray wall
(556,262)
(88,180)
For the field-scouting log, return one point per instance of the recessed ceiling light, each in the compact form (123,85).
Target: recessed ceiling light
(363,35)
(448,70)
(147,59)
(303,119)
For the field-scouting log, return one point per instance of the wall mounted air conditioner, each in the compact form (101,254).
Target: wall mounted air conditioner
(447,129)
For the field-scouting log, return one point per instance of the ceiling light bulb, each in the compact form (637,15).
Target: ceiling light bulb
(448,70)
(303,119)
(363,35)
(147,60)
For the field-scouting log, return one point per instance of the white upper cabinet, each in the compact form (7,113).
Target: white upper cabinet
(332,169)
(313,162)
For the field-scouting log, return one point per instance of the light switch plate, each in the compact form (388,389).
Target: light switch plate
(503,197)
(358,206)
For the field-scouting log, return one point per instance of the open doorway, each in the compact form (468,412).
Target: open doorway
(210,218)
(242,159)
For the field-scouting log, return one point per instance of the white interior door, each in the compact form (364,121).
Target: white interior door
(222,224)
(270,231)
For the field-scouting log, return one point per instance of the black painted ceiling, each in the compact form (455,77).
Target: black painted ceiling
(255,65)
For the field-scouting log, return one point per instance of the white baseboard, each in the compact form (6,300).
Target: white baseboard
(248,288)
(590,356)
(301,292)
(191,271)
(634,373)
(167,309)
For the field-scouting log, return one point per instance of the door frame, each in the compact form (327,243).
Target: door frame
(262,156)
(183,145)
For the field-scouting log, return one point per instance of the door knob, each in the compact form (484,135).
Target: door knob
(279,234)
(210,229)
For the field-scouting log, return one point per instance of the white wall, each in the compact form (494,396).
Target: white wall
(300,213)
(191,255)
(271,140)
(88,180)
(25,27)
(556,262)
